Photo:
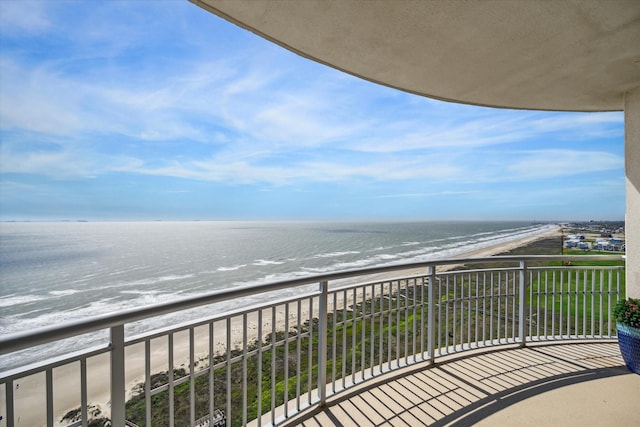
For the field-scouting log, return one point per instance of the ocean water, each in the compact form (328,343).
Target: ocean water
(51,273)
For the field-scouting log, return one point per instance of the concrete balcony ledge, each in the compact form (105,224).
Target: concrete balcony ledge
(544,384)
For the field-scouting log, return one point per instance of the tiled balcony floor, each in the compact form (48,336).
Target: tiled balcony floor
(581,384)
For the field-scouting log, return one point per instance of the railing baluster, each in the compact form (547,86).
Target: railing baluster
(593,302)
(83,391)
(298,353)
(273,366)
(398,296)
(431,315)
(514,314)
(442,304)
(373,329)
(521,305)
(455,313)
(469,311)
(334,331)
(228,376)
(447,303)
(601,300)
(477,320)
(538,320)
(344,339)
(462,311)
(576,308)
(286,359)
(363,334)
(416,333)
(49,396)
(8,388)
(555,325)
(406,324)
(147,382)
(513,299)
(244,369)
(546,303)
(562,302)
(310,351)
(170,380)
(609,306)
(192,377)
(381,329)
(212,407)
(484,308)
(584,305)
(423,334)
(117,376)
(259,375)
(499,300)
(354,328)
(491,277)
(389,324)
(322,343)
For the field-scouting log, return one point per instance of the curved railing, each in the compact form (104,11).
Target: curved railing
(264,363)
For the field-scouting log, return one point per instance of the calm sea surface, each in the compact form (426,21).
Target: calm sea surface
(57,272)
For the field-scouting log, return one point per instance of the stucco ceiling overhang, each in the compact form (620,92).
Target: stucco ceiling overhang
(573,55)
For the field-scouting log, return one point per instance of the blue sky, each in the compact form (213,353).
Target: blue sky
(143,110)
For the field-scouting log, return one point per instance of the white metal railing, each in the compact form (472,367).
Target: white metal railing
(263,364)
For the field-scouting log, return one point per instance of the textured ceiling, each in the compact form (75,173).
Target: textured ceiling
(551,55)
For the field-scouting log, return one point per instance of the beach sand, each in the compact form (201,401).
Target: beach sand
(29,393)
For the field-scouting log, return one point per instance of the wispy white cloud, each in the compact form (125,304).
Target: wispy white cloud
(61,163)
(556,163)
(245,172)
(423,195)
(579,126)
(23,17)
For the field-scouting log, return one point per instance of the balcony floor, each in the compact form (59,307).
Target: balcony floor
(544,384)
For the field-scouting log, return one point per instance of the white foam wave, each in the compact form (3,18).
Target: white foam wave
(161,279)
(263,262)
(10,300)
(385,256)
(64,292)
(233,268)
(336,254)
(140,292)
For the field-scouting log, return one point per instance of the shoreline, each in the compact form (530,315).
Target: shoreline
(67,377)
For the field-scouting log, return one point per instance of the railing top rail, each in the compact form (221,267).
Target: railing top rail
(15,342)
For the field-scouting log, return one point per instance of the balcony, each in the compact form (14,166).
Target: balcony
(441,342)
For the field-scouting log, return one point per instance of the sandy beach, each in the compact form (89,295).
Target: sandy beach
(29,394)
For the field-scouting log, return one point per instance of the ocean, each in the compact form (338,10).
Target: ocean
(56,272)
